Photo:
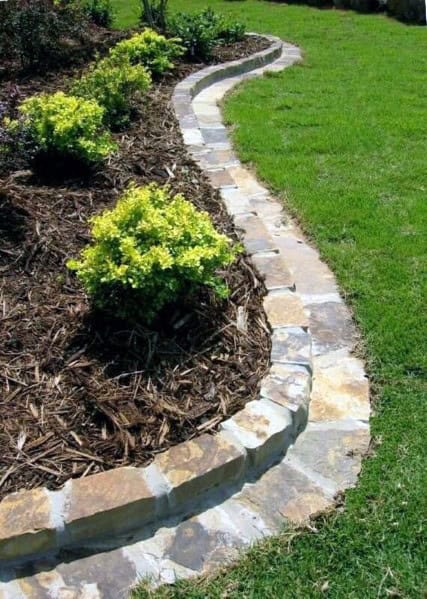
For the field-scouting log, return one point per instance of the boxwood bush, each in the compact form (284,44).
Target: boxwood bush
(201,32)
(61,126)
(100,12)
(149,250)
(150,49)
(114,84)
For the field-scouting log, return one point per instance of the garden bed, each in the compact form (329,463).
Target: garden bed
(83,393)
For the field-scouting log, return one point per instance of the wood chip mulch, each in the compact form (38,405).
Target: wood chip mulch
(81,393)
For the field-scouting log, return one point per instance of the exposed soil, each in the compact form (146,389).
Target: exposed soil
(80,392)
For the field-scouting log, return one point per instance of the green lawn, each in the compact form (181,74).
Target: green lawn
(346,149)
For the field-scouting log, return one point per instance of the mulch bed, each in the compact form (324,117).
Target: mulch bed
(81,392)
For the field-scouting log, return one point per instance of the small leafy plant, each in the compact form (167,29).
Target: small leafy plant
(201,32)
(114,84)
(150,49)
(150,249)
(64,126)
(100,12)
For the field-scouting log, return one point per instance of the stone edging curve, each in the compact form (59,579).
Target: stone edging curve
(312,332)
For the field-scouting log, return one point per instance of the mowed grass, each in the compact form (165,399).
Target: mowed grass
(126,13)
(342,139)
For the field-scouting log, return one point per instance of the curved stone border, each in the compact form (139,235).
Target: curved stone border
(122,500)
(312,342)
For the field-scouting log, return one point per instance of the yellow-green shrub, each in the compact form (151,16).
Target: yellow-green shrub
(152,50)
(114,84)
(59,124)
(148,250)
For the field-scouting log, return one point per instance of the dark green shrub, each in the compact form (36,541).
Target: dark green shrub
(60,126)
(150,49)
(412,11)
(15,145)
(231,32)
(149,250)
(100,12)
(201,32)
(359,5)
(114,84)
(39,32)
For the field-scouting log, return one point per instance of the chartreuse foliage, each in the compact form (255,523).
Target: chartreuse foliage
(114,84)
(63,125)
(152,50)
(148,250)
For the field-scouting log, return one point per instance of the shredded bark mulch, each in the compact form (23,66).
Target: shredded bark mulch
(82,392)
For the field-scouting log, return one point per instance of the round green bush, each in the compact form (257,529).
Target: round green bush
(149,250)
(152,50)
(114,85)
(66,126)
(101,12)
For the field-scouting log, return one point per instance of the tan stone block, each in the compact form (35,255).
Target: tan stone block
(236,202)
(256,238)
(340,389)
(311,274)
(291,346)
(285,309)
(25,524)
(220,178)
(273,269)
(290,387)
(109,503)
(265,430)
(217,158)
(195,466)
(270,212)
(246,181)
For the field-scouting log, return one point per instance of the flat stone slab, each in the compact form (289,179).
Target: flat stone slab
(254,233)
(285,494)
(331,453)
(340,389)
(331,326)
(274,271)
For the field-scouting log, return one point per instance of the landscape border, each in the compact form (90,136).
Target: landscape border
(312,332)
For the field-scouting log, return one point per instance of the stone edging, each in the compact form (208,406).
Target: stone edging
(310,331)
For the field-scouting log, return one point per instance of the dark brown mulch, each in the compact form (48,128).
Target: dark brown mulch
(82,393)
